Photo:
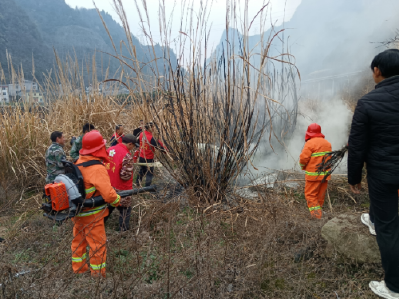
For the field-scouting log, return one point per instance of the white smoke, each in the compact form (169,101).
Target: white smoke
(333,116)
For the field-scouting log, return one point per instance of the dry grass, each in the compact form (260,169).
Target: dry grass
(25,127)
(25,134)
(251,249)
(237,248)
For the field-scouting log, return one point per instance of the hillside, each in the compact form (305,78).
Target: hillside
(54,24)
(22,39)
(333,37)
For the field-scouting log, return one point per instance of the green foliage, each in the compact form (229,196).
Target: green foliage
(188,273)
(150,264)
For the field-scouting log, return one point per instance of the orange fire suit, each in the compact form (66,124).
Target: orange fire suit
(311,155)
(89,224)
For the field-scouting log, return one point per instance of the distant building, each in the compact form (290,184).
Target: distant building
(14,90)
(25,90)
(33,97)
(19,88)
(123,91)
(4,94)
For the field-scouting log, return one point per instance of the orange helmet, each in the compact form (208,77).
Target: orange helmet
(314,130)
(91,142)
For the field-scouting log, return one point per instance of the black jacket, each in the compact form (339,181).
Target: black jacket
(137,132)
(374,135)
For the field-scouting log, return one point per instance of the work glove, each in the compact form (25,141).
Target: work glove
(125,202)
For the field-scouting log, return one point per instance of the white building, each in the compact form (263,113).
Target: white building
(17,89)
(4,95)
(33,97)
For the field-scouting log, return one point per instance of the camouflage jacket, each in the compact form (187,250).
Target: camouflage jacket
(76,147)
(54,155)
(126,171)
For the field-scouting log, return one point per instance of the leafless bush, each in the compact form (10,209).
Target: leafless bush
(351,93)
(392,42)
(213,113)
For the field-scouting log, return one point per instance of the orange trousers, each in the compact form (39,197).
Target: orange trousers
(93,234)
(315,196)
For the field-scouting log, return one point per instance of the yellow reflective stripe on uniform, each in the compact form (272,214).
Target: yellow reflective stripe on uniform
(91,212)
(98,267)
(301,164)
(79,259)
(315,208)
(319,154)
(115,202)
(316,173)
(90,190)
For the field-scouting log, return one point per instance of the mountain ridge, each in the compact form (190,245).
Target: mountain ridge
(333,35)
(55,25)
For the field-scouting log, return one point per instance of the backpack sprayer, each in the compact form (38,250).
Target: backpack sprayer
(65,197)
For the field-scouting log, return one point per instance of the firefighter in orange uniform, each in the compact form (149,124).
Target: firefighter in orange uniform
(89,224)
(312,154)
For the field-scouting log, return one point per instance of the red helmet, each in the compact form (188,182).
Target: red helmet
(314,130)
(91,142)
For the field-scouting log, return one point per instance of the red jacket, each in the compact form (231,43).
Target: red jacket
(148,145)
(116,155)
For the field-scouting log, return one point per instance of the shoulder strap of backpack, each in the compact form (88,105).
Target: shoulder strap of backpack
(90,163)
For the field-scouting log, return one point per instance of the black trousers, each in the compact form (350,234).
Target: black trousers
(124,217)
(145,171)
(384,213)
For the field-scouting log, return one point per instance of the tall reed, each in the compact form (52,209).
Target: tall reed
(212,112)
(25,127)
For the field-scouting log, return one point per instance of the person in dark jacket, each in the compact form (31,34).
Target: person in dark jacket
(139,129)
(77,145)
(374,140)
(116,138)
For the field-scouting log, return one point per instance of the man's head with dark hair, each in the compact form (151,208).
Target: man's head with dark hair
(87,128)
(119,129)
(57,137)
(385,65)
(149,125)
(129,140)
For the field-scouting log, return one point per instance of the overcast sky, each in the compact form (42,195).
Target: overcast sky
(277,10)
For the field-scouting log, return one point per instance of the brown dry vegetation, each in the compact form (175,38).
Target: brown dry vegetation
(351,93)
(237,248)
(263,248)
(25,132)
(240,249)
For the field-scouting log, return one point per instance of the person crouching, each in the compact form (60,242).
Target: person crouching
(120,170)
(312,154)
